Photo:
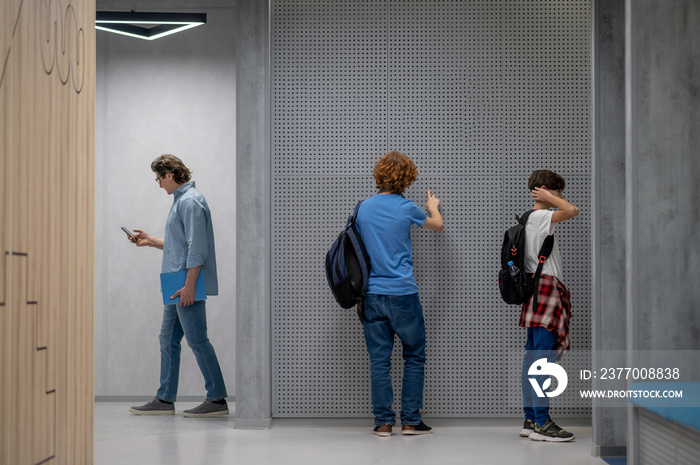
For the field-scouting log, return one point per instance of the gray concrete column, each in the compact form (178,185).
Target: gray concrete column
(663,169)
(663,142)
(631,194)
(608,219)
(253,319)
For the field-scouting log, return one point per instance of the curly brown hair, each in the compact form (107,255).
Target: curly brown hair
(395,172)
(549,179)
(167,163)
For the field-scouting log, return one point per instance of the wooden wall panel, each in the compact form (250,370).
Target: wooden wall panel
(47,62)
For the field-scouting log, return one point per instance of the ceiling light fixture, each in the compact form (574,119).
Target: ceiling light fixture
(147,26)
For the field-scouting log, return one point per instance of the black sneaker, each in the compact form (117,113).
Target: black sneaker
(528,428)
(382,431)
(207,409)
(550,432)
(422,428)
(154,407)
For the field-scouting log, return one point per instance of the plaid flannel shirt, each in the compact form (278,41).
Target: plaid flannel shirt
(553,310)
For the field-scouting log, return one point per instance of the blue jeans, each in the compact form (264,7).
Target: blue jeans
(401,315)
(190,322)
(540,344)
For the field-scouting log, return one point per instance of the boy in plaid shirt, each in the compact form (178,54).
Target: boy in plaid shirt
(547,324)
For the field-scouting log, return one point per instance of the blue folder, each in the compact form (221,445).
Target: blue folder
(170,283)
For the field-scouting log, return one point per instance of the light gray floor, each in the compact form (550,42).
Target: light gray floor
(122,438)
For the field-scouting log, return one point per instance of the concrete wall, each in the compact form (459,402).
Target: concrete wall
(663,125)
(172,95)
(253,318)
(645,113)
(663,168)
(609,322)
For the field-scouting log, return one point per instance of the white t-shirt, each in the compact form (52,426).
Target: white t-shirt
(539,225)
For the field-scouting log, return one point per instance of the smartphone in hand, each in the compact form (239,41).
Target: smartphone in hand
(129,233)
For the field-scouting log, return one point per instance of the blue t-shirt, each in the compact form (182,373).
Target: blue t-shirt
(384,222)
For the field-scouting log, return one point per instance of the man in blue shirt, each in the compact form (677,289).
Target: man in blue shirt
(188,245)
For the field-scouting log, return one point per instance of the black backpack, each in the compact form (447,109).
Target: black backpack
(516,285)
(347,266)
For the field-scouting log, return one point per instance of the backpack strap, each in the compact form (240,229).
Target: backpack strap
(352,235)
(363,265)
(545,250)
(353,217)
(543,255)
(356,239)
(523,218)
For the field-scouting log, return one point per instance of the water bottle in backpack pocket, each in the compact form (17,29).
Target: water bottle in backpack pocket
(514,270)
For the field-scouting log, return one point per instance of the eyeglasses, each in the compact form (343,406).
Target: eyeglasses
(159,178)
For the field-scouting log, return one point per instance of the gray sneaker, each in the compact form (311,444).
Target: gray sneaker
(154,407)
(550,432)
(207,409)
(528,428)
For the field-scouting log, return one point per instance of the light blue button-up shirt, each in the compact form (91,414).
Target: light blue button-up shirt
(189,236)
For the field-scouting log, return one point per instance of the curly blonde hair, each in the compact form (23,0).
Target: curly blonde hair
(395,172)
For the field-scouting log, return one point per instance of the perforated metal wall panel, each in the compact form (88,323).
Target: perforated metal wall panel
(479,94)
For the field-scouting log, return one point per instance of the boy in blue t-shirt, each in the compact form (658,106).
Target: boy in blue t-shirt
(392,305)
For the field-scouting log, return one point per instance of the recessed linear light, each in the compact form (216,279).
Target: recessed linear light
(147,26)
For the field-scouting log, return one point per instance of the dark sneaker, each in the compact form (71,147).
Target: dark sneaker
(154,407)
(422,428)
(528,427)
(207,409)
(382,430)
(550,432)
